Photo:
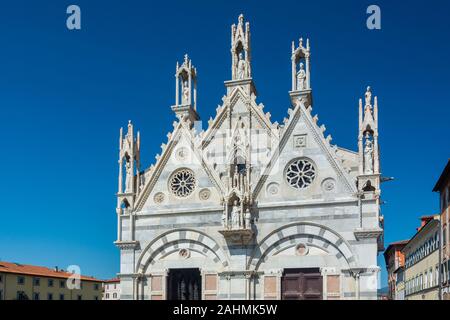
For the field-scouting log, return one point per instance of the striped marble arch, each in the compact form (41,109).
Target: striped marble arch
(174,240)
(313,234)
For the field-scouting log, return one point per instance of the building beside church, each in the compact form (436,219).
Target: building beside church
(443,188)
(27,282)
(395,262)
(111,289)
(241,207)
(421,275)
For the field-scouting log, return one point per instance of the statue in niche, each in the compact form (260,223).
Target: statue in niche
(235,215)
(368,156)
(301,78)
(241,67)
(185,90)
(128,177)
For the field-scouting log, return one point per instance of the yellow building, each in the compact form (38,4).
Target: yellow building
(422,262)
(26,282)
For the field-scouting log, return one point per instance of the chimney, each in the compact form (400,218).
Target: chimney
(423,221)
(56,269)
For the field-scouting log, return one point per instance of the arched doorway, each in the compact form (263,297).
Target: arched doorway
(184,284)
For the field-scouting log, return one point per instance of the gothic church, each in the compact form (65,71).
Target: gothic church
(249,208)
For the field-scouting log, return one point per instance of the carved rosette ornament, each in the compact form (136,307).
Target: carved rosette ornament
(159,197)
(184,253)
(181,154)
(328,185)
(204,194)
(273,189)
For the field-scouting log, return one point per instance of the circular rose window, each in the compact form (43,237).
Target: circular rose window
(182,183)
(300,173)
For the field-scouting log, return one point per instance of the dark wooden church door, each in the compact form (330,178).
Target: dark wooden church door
(184,284)
(301,284)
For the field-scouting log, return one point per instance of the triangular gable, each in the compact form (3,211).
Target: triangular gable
(228,103)
(300,112)
(180,131)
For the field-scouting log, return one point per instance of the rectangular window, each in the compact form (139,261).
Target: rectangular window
(436,276)
(36,282)
(431,278)
(448,268)
(50,296)
(444,235)
(61,297)
(20,280)
(1,295)
(95,298)
(62,283)
(96,286)
(36,296)
(21,295)
(79,297)
(1,278)
(50,282)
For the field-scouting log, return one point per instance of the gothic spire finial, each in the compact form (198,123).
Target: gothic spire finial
(301,80)
(186,90)
(240,50)
(241,18)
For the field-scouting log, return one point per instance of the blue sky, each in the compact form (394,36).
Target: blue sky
(65,94)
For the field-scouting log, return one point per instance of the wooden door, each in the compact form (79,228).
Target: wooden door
(301,284)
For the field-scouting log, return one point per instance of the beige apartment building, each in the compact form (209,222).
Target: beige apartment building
(422,262)
(111,289)
(27,282)
(443,188)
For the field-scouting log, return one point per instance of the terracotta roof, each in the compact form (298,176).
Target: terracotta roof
(114,280)
(443,178)
(12,267)
(430,216)
(399,242)
(392,245)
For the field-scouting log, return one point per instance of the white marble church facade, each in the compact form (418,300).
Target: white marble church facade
(247,208)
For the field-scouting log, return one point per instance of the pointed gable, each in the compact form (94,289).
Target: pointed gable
(181,153)
(301,139)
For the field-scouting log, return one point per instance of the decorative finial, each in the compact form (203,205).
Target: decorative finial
(368,96)
(241,18)
(186,58)
(300,42)
(129,122)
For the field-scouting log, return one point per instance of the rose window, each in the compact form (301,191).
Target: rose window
(300,173)
(182,183)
